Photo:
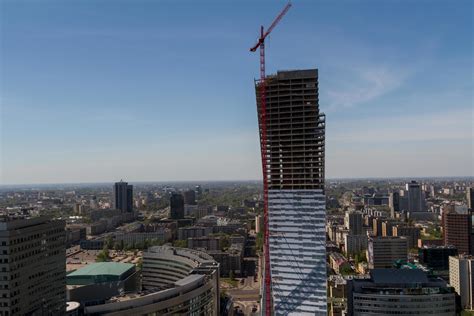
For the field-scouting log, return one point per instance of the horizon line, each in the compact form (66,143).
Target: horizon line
(227,180)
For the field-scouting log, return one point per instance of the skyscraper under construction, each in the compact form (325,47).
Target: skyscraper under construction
(292,139)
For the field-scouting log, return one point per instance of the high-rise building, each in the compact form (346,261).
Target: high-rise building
(436,257)
(415,197)
(190,197)
(412,234)
(123,196)
(354,244)
(258,223)
(377,225)
(394,203)
(400,292)
(176,206)
(457,230)
(32,266)
(353,222)
(293,156)
(470,198)
(461,277)
(383,252)
(387,227)
(198,190)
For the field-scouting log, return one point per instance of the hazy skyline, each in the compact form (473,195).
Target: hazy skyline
(96,91)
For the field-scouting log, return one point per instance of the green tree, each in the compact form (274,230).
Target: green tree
(180,243)
(346,270)
(232,275)
(103,255)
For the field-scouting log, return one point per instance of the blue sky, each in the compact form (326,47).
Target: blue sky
(163,90)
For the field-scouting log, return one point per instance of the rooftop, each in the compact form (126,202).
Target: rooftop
(398,276)
(103,268)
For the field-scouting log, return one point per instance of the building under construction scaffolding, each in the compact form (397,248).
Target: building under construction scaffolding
(294,163)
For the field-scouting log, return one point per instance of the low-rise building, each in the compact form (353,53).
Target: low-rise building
(206,243)
(338,262)
(400,292)
(383,252)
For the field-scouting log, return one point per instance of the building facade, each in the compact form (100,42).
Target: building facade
(176,206)
(175,281)
(470,198)
(457,230)
(353,222)
(412,234)
(123,196)
(436,257)
(383,252)
(403,292)
(32,266)
(415,197)
(461,277)
(294,156)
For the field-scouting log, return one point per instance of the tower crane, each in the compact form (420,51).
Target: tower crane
(263,148)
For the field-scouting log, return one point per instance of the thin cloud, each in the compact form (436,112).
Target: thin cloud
(363,85)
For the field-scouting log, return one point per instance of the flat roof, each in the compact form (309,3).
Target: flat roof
(398,276)
(103,268)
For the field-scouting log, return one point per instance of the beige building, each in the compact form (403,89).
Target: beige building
(461,270)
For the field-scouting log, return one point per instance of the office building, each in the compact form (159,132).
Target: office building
(415,197)
(294,153)
(412,234)
(32,266)
(400,292)
(384,252)
(457,230)
(470,198)
(436,257)
(175,281)
(461,277)
(123,196)
(353,222)
(190,197)
(176,206)
(354,244)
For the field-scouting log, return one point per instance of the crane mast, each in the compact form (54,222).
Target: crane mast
(267,297)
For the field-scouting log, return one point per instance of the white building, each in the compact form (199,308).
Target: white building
(461,270)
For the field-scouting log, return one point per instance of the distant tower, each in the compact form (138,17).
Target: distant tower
(394,203)
(353,222)
(415,197)
(470,198)
(123,196)
(176,206)
(190,197)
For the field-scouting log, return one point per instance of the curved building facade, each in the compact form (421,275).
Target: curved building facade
(403,292)
(174,281)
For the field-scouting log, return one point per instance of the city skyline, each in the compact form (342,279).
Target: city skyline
(96,93)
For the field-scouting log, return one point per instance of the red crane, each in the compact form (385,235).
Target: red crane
(263,148)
